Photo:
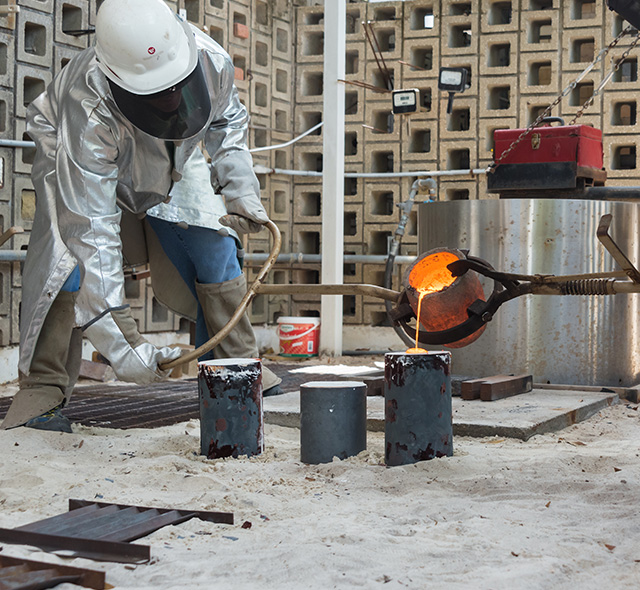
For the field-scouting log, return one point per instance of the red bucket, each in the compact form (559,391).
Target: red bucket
(298,336)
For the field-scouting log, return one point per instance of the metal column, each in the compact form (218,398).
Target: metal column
(333,174)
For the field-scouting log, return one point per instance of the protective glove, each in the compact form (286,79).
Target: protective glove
(244,214)
(115,336)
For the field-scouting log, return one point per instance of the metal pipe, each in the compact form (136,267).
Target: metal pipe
(16,143)
(346,289)
(259,169)
(13,255)
(300,258)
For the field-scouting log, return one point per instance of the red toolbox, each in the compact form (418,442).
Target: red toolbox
(562,157)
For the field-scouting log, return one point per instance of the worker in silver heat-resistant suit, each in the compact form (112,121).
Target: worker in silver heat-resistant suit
(115,131)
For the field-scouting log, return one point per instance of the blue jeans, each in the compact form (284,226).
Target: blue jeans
(199,254)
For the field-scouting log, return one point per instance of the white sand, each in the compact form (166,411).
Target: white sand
(560,511)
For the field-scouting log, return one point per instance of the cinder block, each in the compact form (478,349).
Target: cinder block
(579,48)
(621,157)
(352,309)
(377,238)
(18,242)
(380,13)
(626,78)
(261,15)
(418,21)
(464,61)
(307,204)
(281,201)
(282,36)
(540,30)
(24,156)
(532,105)
(353,223)
(455,28)
(462,122)
(71,15)
(423,55)
(41,5)
(353,190)
(62,56)
(282,157)
(356,13)
(386,37)
(14,318)
(420,140)
(380,123)
(261,53)
(582,13)
(354,104)
(375,75)
(620,114)
(458,190)
(260,135)
(486,129)
(310,44)
(458,154)
(500,16)
(383,158)
(216,8)
(539,73)
(240,57)
(381,200)
(355,61)
(614,23)
(35,39)
(7,59)
(579,95)
(260,95)
(309,87)
(309,158)
(6,119)
(281,78)
(306,238)
(354,147)
(498,97)
(30,83)
(429,98)
(310,16)
(352,271)
(374,314)
(282,117)
(307,117)
(499,56)
(304,309)
(24,202)
(238,15)
(216,27)
(373,274)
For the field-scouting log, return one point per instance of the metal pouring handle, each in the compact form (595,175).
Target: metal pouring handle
(240,310)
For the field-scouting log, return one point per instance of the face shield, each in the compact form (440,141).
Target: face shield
(177,113)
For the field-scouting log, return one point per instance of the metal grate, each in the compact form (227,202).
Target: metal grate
(24,574)
(102,531)
(126,406)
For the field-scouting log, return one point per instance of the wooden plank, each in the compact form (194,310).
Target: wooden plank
(470,389)
(499,388)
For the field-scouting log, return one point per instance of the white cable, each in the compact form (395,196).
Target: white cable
(282,145)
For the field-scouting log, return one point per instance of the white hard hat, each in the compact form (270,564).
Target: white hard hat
(143,46)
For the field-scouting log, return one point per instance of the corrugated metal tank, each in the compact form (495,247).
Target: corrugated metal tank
(582,340)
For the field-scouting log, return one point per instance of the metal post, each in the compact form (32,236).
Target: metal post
(417,407)
(333,174)
(231,415)
(333,420)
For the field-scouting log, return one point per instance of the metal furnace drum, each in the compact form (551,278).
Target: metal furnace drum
(581,340)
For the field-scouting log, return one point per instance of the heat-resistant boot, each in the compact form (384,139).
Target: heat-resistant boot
(47,387)
(219,301)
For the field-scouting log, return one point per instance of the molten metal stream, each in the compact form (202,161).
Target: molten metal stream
(431,276)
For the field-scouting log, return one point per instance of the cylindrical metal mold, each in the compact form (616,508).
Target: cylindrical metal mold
(447,306)
(333,420)
(231,415)
(572,339)
(418,420)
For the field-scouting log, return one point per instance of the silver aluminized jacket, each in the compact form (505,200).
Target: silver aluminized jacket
(91,162)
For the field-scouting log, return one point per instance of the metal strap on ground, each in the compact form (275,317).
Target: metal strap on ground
(102,531)
(25,574)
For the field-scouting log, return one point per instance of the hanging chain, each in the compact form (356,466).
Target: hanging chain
(601,55)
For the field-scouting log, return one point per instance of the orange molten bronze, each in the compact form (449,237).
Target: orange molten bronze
(439,299)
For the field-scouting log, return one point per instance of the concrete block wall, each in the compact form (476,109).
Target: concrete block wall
(520,54)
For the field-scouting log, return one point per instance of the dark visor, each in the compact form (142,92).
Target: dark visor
(177,113)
